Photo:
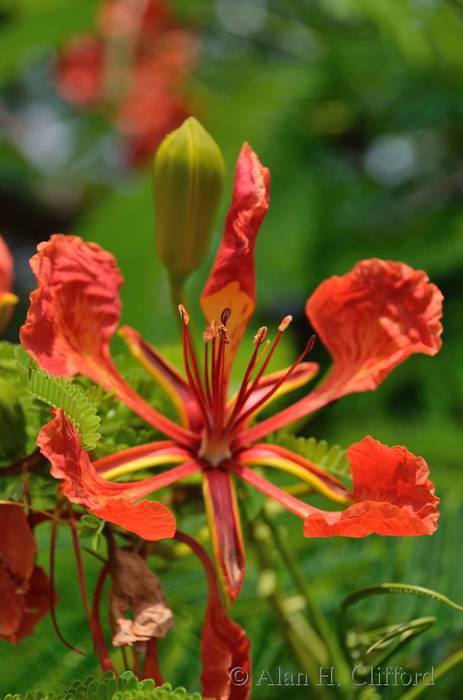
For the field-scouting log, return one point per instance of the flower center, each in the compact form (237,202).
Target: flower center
(223,419)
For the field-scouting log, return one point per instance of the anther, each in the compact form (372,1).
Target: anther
(223,334)
(310,343)
(261,336)
(225,315)
(285,323)
(185,316)
(210,332)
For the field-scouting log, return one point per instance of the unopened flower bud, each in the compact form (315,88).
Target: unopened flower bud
(189,176)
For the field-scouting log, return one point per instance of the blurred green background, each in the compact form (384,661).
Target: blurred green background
(357,108)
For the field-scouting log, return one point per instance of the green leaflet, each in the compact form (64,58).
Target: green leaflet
(373,646)
(60,392)
(110,687)
(330,458)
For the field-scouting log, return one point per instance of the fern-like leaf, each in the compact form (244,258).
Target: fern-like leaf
(60,392)
(110,687)
(332,458)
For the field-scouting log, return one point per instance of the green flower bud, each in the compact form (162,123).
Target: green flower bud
(189,175)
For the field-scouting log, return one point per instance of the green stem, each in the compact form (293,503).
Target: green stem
(440,671)
(303,653)
(329,638)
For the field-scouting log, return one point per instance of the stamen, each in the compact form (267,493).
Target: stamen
(223,334)
(285,323)
(210,332)
(281,329)
(261,335)
(259,340)
(308,347)
(184,315)
(189,354)
(207,377)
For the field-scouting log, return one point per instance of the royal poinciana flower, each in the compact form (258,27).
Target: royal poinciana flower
(24,587)
(136,65)
(370,320)
(7,299)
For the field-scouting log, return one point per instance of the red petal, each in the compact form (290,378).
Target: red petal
(231,283)
(11,606)
(225,526)
(37,603)
(224,644)
(73,315)
(75,310)
(148,519)
(392,492)
(22,600)
(266,454)
(6,268)
(17,545)
(371,320)
(224,647)
(7,299)
(59,443)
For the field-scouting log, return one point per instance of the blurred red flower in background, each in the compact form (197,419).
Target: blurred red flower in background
(134,66)
(7,299)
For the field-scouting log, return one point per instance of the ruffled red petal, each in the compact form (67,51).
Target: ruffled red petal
(392,495)
(59,442)
(75,310)
(73,316)
(372,319)
(232,280)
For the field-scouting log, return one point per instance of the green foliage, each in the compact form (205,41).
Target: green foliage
(60,392)
(91,527)
(374,646)
(332,458)
(110,687)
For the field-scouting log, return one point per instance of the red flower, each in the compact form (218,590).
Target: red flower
(370,319)
(24,587)
(136,64)
(7,299)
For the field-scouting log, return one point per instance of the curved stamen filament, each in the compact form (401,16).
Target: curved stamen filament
(233,426)
(189,354)
(259,341)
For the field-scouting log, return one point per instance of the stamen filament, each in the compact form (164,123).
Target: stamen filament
(272,391)
(188,351)
(259,340)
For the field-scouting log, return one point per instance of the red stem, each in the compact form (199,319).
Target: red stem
(52,585)
(151,667)
(98,639)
